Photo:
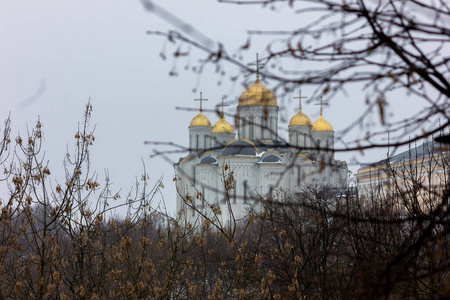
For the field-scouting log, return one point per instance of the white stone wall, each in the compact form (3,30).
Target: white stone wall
(199,139)
(301,172)
(220,140)
(260,179)
(243,168)
(323,139)
(252,178)
(258,122)
(300,138)
(185,186)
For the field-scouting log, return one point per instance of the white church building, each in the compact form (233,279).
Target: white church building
(250,159)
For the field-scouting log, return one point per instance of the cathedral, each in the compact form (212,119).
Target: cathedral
(224,176)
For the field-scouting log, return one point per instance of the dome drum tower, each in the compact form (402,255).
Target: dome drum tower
(323,134)
(222,134)
(199,137)
(300,130)
(258,122)
(257,113)
(222,131)
(200,132)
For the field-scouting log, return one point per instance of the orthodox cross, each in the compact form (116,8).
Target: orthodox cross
(321,103)
(201,99)
(257,64)
(300,98)
(222,105)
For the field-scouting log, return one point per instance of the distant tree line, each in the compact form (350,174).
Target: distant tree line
(59,240)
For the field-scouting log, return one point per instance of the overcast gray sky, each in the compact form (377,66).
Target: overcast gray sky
(55,55)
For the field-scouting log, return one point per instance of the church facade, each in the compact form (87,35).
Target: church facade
(229,169)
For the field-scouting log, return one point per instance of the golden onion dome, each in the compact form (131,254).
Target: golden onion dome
(200,120)
(222,126)
(300,119)
(257,94)
(322,125)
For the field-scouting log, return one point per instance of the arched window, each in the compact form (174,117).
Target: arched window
(193,177)
(270,192)
(299,175)
(196,142)
(271,127)
(245,191)
(262,127)
(296,143)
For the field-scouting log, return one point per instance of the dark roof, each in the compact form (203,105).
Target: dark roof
(209,160)
(278,146)
(425,150)
(271,159)
(239,147)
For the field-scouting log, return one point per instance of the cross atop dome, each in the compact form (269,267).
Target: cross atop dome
(321,124)
(257,64)
(321,104)
(300,98)
(223,126)
(222,105)
(201,100)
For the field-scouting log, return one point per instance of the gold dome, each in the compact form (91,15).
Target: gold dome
(257,94)
(200,120)
(222,126)
(300,119)
(322,125)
